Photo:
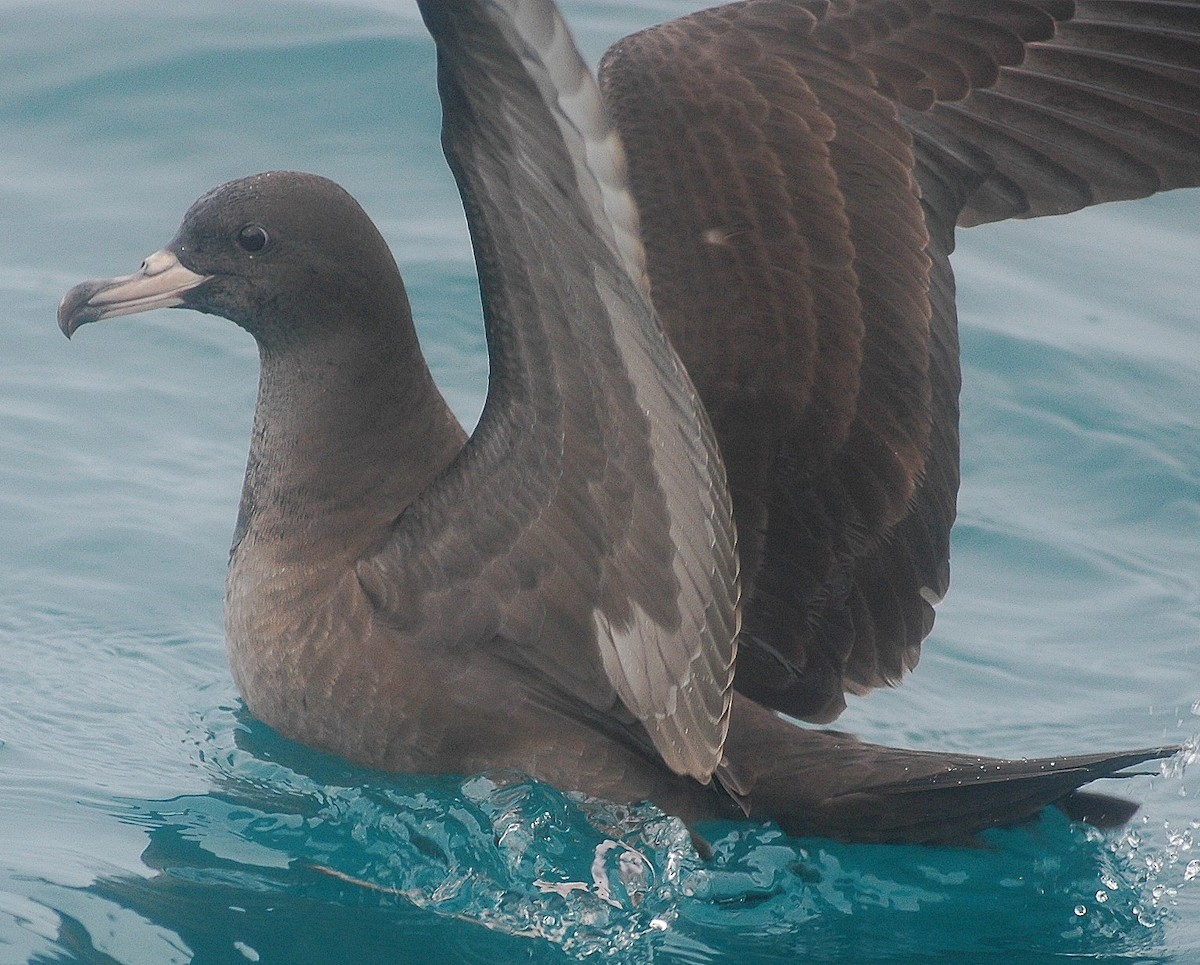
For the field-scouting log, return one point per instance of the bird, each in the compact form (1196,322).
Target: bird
(712,486)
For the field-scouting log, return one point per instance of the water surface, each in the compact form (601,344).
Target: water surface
(144,817)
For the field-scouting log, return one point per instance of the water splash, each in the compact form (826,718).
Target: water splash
(498,849)
(289,849)
(1148,869)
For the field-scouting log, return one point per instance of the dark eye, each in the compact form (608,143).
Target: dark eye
(253,238)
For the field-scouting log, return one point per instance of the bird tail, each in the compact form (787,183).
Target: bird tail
(829,784)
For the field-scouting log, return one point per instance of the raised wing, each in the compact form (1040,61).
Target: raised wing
(586,529)
(800,167)
(1038,108)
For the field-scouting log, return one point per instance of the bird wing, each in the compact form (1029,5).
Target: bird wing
(585,531)
(799,167)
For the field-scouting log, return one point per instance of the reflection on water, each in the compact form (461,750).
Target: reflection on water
(293,857)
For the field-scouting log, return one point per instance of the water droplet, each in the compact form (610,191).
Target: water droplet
(1110,882)
(1102,896)
(1192,870)
(1080,911)
(659,924)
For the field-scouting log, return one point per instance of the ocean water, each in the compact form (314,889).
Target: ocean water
(146,817)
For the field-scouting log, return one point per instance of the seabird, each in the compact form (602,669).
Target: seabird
(774,184)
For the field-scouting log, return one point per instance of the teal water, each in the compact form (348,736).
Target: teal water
(144,817)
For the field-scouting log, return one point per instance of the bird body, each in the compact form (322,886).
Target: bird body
(654,541)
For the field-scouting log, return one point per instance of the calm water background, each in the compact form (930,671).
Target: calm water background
(144,817)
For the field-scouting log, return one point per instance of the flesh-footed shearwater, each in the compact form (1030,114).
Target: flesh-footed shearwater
(774,183)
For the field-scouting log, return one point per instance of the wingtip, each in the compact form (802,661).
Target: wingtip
(1103,811)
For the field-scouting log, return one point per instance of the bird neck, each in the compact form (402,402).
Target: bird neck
(348,430)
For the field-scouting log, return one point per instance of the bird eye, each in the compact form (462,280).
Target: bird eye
(253,238)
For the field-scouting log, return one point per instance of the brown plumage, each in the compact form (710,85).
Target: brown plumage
(800,167)
(560,593)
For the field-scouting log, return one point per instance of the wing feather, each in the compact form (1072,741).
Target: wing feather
(585,529)
(800,167)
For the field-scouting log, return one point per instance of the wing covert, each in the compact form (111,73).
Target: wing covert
(590,505)
(802,165)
